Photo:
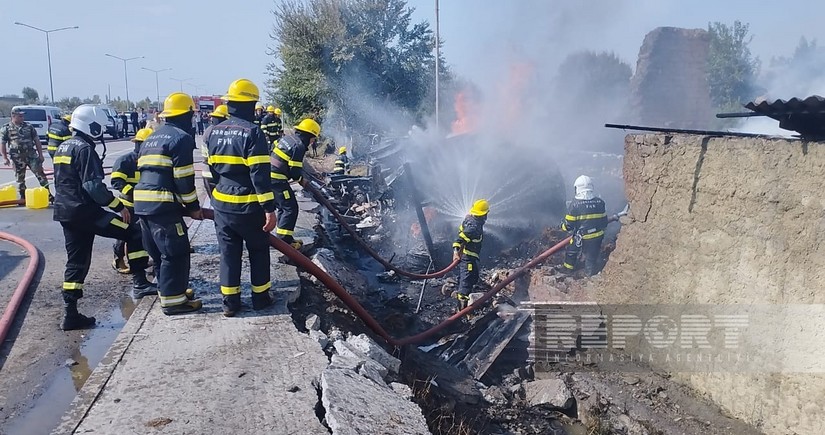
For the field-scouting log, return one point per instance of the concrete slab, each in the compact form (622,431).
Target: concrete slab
(203,373)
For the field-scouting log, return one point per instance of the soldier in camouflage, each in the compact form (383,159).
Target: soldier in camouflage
(19,141)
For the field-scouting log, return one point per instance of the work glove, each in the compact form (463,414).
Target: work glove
(456,256)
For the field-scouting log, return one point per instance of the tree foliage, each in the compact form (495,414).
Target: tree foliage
(30,95)
(351,61)
(732,70)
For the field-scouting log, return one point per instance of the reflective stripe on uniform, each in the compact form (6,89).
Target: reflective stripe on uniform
(137,254)
(585,217)
(470,253)
(593,236)
(56,137)
(115,202)
(286,158)
(230,290)
(118,174)
(155,160)
(242,199)
(72,285)
(286,194)
(62,160)
(126,189)
(127,203)
(261,288)
(284,232)
(119,223)
(171,301)
(277,176)
(51,148)
(568,266)
(154,196)
(237,160)
(189,197)
(183,171)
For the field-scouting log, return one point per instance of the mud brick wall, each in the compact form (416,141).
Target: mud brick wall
(728,221)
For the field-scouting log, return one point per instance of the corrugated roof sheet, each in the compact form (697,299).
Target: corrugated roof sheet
(805,116)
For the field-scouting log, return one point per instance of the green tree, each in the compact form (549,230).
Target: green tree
(352,62)
(732,70)
(30,95)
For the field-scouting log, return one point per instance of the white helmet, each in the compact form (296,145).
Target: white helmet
(89,119)
(584,187)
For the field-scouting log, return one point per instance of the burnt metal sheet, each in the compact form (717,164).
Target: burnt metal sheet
(805,116)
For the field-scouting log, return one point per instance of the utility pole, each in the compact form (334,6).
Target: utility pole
(437,60)
(48,50)
(125,73)
(180,81)
(157,86)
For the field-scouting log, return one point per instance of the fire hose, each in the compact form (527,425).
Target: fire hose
(325,202)
(22,287)
(339,291)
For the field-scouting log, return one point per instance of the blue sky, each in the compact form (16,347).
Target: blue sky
(215,42)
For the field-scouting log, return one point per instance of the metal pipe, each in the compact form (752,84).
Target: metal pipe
(422,220)
(685,131)
(22,287)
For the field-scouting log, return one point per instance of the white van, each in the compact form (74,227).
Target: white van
(40,117)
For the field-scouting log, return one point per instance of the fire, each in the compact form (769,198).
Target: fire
(429,214)
(465,120)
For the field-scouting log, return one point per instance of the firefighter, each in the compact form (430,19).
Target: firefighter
(287,164)
(164,195)
(585,221)
(58,133)
(243,200)
(259,114)
(467,247)
(341,163)
(20,145)
(219,115)
(124,179)
(271,125)
(80,194)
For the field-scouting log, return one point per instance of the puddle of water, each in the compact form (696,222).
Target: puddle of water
(45,413)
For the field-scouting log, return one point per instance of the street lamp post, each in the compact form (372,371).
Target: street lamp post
(48,49)
(180,81)
(157,86)
(125,73)
(437,60)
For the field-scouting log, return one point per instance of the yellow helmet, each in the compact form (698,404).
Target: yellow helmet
(221,112)
(142,134)
(342,150)
(278,111)
(309,125)
(177,104)
(270,109)
(259,106)
(242,90)
(67,117)
(480,208)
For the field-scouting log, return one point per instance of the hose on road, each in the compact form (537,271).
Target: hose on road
(319,196)
(22,287)
(305,263)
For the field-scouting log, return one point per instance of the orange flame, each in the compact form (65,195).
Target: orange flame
(465,121)
(429,214)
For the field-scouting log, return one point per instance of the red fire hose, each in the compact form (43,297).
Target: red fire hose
(307,264)
(325,202)
(19,292)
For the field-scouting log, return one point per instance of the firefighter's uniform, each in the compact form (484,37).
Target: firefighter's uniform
(259,114)
(287,164)
(271,125)
(164,193)
(468,246)
(58,133)
(341,165)
(125,177)
(239,161)
(80,194)
(219,115)
(586,221)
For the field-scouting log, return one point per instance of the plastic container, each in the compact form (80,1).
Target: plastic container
(37,197)
(8,193)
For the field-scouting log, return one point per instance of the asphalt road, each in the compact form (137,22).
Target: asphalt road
(40,366)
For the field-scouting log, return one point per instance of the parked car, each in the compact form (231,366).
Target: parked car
(40,117)
(115,127)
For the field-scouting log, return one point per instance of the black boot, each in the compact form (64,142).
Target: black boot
(186,307)
(262,300)
(72,319)
(141,286)
(231,305)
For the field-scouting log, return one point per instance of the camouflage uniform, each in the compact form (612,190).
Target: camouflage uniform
(20,140)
